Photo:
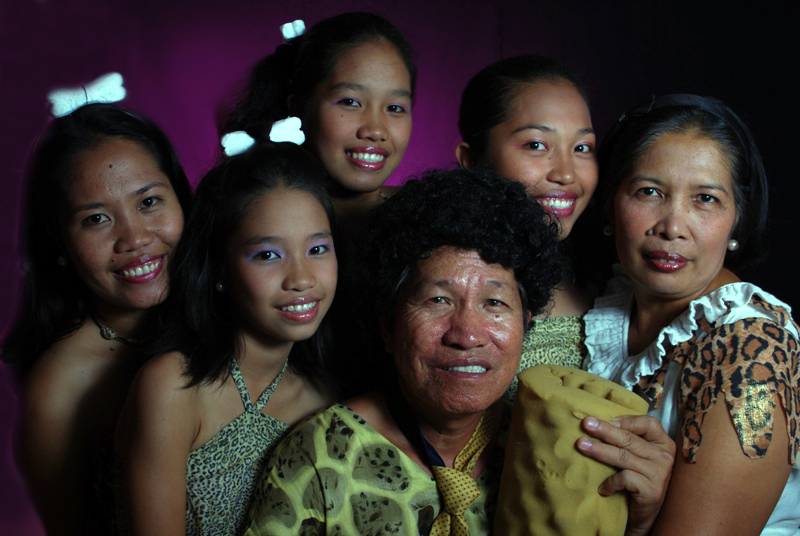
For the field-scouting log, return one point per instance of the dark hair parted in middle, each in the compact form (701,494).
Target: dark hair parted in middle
(467,209)
(198,321)
(488,95)
(639,128)
(298,67)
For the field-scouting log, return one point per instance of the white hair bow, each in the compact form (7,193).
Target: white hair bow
(108,88)
(284,130)
(236,142)
(290,30)
(288,129)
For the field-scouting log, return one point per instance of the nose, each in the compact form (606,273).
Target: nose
(373,125)
(133,233)
(466,330)
(671,223)
(299,276)
(562,170)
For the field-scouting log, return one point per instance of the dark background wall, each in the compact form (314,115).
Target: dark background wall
(182,58)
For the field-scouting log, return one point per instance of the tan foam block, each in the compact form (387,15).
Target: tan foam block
(548,488)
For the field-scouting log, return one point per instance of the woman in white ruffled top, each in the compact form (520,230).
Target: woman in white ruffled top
(686,197)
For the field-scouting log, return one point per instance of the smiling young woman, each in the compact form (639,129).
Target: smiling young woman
(105,208)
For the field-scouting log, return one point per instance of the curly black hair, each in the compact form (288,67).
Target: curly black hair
(470,209)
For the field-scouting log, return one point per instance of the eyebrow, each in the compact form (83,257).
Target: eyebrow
(320,235)
(659,182)
(545,128)
(361,87)
(99,204)
(449,282)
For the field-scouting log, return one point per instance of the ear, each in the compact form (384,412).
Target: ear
(464,155)
(528,316)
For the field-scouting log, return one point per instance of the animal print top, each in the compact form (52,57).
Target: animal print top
(221,476)
(550,341)
(737,344)
(336,475)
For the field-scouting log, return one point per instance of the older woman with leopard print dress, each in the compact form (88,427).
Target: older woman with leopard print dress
(686,196)
(458,262)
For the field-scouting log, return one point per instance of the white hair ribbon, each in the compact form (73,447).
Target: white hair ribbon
(288,129)
(236,142)
(290,30)
(108,88)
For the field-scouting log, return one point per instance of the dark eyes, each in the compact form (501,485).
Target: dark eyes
(584,148)
(150,201)
(536,146)
(95,219)
(319,250)
(266,256)
(707,198)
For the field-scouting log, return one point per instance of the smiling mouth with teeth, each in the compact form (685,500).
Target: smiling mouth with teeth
(302,308)
(142,269)
(556,202)
(470,368)
(366,157)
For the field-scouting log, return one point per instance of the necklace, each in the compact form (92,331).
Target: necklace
(110,335)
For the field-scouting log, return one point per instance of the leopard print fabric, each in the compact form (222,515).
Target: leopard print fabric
(550,341)
(337,475)
(755,362)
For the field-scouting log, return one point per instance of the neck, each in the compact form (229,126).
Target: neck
(652,313)
(449,435)
(126,323)
(262,357)
(568,299)
(354,207)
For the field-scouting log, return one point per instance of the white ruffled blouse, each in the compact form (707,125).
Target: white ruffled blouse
(712,315)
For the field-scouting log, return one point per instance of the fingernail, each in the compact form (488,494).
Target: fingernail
(591,423)
(584,443)
(614,422)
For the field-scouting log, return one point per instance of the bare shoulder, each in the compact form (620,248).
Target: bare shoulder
(161,379)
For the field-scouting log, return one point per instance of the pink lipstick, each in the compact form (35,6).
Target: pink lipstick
(300,311)
(367,158)
(142,270)
(559,204)
(666,262)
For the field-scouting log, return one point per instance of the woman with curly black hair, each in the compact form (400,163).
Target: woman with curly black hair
(459,262)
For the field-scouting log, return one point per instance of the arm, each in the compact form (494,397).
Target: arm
(154,437)
(644,453)
(737,493)
(52,449)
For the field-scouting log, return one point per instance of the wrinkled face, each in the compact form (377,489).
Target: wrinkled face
(673,217)
(360,117)
(122,221)
(548,144)
(282,267)
(457,334)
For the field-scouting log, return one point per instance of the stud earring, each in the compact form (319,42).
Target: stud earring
(649,232)
(733,245)
(61,260)
(608,231)
(219,287)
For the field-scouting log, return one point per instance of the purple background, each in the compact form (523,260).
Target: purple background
(182,58)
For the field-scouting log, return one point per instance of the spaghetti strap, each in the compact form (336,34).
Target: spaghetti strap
(236,374)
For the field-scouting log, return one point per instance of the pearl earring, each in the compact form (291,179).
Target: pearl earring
(733,245)
(608,231)
(61,260)
(219,287)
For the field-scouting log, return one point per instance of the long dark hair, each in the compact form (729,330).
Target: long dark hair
(296,68)
(200,322)
(55,301)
